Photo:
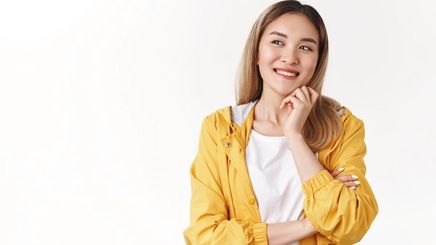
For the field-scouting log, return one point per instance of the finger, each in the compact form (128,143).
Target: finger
(314,95)
(344,178)
(306,93)
(348,183)
(284,102)
(351,183)
(336,172)
(289,106)
(300,95)
(295,101)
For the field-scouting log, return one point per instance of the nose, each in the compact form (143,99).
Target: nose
(289,56)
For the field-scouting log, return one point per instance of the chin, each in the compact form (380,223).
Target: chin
(283,88)
(284,92)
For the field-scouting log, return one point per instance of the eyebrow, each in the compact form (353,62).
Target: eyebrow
(306,39)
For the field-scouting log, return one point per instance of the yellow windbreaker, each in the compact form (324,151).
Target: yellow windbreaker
(224,209)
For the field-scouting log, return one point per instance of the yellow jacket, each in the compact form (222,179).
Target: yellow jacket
(224,209)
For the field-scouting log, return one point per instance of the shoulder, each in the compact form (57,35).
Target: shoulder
(216,119)
(349,142)
(349,119)
(221,114)
(352,125)
(346,117)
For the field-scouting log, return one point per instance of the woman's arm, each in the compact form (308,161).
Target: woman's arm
(341,214)
(305,161)
(287,232)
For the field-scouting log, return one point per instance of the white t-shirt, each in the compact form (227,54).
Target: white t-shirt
(274,177)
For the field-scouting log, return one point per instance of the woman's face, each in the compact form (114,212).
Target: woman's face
(288,53)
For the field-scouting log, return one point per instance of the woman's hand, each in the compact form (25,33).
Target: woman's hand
(299,105)
(350,181)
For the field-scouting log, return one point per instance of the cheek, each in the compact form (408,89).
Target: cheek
(310,64)
(266,55)
(266,58)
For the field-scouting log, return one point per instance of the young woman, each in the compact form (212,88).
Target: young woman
(285,165)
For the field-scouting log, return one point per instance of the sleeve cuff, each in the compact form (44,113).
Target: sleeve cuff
(259,233)
(315,183)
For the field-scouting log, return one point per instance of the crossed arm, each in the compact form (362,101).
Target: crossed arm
(287,232)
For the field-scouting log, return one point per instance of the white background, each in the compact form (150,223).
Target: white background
(101,104)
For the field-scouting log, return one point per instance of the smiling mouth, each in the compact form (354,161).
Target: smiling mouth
(287,74)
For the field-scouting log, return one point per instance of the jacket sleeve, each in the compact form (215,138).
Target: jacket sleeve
(209,221)
(341,214)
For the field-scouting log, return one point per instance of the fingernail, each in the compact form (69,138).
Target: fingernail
(354,176)
(352,187)
(341,169)
(356,182)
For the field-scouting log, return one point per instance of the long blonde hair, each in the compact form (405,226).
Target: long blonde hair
(323,124)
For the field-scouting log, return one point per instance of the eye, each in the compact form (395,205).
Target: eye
(277,42)
(305,48)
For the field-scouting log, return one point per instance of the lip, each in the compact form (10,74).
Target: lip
(286,70)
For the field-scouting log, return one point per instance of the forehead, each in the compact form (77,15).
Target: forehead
(294,26)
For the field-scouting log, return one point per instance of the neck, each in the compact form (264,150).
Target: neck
(268,109)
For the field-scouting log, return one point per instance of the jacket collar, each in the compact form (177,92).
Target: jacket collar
(238,121)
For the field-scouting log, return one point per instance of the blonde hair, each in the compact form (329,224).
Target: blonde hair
(323,124)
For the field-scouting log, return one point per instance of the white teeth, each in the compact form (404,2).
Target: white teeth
(289,74)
